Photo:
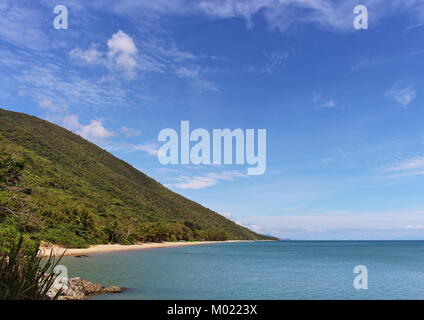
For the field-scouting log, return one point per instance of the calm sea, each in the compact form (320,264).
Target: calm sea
(260,270)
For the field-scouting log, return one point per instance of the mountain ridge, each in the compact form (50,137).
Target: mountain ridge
(69,176)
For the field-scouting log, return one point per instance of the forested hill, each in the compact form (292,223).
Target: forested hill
(58,187)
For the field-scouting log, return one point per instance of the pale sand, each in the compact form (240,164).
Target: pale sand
(102,248)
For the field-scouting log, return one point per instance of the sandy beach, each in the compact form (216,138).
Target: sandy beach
(103,248)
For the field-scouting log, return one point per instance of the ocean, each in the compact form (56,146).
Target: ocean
(261,270)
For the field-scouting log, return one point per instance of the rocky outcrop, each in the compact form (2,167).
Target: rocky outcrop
(79,289)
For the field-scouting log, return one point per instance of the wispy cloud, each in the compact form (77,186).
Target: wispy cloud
(205,181)
(402,95)
(90,56)
(117,144)
(49,105)
(150,148)
(276,60)
(408,164)
(22,25)
(130,132)
(155,55)
(151,50)
(48,83)
(367,62)
(405,168)
(322,102)
(279,14)
(196,75)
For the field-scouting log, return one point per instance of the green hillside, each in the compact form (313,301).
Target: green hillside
(58,187)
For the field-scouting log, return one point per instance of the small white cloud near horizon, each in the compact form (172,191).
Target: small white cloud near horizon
(401,95)
(227,215)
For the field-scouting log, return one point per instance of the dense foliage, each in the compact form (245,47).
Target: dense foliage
(24,274)
(57,187)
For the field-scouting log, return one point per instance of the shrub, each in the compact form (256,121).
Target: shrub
(212,235)
(62,236)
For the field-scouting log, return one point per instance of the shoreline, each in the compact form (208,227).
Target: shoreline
(57,251)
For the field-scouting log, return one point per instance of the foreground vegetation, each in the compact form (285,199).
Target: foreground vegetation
(59,188)
(24,274)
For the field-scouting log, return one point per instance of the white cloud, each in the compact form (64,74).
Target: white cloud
(367,62)
(406,168)
(279,14)
(150,148)
(326,14)
(208,180)
(408,164)
(91,56)
(401,95)
(199,182)
(227,215)
(49,105)
(94,131)
(22,25)
(43,80)
(122,50)
(187,72)
(195,74)
(328,104)
(323,102)
(276,60)
(252,226)
(227,175)
(155,55)
(291,208)
(120,55)
(25,27)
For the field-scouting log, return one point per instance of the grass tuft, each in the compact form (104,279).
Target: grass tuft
(24,274)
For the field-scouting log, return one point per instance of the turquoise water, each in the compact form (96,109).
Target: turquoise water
(260,270)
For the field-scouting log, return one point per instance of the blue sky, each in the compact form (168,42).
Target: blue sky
(342,107)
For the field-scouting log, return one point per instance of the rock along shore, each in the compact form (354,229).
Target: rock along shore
(79,289)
